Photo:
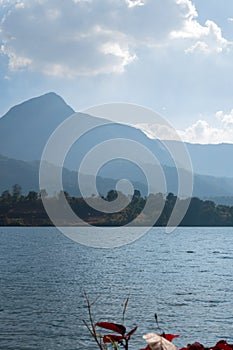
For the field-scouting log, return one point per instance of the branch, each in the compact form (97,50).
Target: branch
(124,309)
(92,328)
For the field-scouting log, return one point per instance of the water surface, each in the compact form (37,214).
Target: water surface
(186,277)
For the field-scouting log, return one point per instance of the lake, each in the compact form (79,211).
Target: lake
(185,277)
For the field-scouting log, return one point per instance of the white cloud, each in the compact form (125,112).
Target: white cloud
(132,3)
(116,50)
(199,132)
(226,119)
(188,8)
(202,132)
(90,37)
(160,131)
(205,39)
(15,62)
(64,39)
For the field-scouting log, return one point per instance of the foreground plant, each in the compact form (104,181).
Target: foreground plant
(161,341)
(115,340)
(120,338)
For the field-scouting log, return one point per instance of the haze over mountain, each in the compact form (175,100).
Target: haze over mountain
(14,171)
(26,174)
(211,159)
(25,129)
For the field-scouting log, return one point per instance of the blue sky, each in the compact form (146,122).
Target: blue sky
(174,56)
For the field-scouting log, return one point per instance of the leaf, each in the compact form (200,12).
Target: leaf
(196,346)
(132,332)
(169,337)
(223,345)
(118,328)
(110,338)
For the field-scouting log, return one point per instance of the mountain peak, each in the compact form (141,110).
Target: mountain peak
(48,100)
(51,95)
(26,127)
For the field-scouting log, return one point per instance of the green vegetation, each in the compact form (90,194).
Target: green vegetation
(17,209)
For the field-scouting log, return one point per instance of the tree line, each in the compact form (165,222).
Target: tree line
(17,209)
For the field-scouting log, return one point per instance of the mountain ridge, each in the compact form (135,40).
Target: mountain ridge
(25,174)
(26,127)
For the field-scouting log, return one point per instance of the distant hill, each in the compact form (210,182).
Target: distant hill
(25,174)
(211,159)
(14,171)
(25,129)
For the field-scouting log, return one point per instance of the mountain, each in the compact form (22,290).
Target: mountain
(14,171)
(25,128)
(25,174)
(210,159)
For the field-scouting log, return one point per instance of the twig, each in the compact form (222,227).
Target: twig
(92,328)
(124,309)
(157,323)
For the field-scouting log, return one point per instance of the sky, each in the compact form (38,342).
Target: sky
(172,56)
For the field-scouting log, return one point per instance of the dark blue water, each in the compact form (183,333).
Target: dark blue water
(186,277)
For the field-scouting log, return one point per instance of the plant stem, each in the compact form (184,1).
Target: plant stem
(92,329)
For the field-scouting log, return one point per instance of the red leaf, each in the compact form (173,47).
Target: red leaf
(223,345)
(147,348)
(118,328)
(132,332)
(109,338)
(196,346)
(169,337)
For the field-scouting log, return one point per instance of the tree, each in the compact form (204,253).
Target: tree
(136,195)
(111,195)
(32,196)
(5,201)
(16,192)
(6,196)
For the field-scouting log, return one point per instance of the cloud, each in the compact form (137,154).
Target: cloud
(199,132)
(5,2)
(64,39)
(132,3)
(203,39)
(90,37)
(160,131)
(202,132)
(226,119)
(211,40)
